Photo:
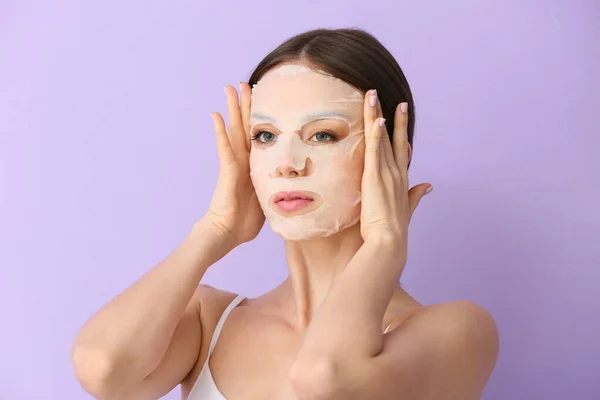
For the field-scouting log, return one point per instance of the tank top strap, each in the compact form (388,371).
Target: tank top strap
(221,322)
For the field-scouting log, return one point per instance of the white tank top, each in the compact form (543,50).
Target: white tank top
(205,388)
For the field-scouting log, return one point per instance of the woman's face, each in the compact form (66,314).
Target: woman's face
(307,153)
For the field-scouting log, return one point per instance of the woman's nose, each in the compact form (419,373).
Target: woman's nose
(288,169)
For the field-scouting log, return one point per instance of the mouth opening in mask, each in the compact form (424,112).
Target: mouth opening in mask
(293,203)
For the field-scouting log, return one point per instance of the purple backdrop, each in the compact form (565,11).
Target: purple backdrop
(107,156)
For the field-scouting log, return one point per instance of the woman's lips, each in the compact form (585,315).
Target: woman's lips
(293,205)
(292,201)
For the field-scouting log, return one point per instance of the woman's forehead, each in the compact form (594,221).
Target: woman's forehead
(302,94)
(299,83)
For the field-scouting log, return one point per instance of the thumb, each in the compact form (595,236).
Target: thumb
(415,195)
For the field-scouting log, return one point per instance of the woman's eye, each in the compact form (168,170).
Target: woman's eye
(322,137)
(264,137)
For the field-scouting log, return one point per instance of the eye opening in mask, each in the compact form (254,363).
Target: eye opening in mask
(332,137)
(259,134)
(260,137)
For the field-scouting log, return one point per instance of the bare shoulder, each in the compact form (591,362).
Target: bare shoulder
(460,335)
(461,322)
(458,318)
(446,350)
(453,315)
(209,302)
(210,299)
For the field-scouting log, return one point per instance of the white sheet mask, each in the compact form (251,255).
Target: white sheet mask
(293,103)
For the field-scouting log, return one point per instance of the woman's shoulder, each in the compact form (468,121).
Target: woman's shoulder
(458,311)
(404,307)
(211,301)
(462,314)
(465,312)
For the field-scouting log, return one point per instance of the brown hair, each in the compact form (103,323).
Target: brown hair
(353,56)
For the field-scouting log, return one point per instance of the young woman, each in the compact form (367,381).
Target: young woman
(319,141)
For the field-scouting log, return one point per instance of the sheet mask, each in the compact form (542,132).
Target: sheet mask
(294,102)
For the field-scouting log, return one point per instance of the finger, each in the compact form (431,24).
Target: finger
(416,194)
(386,157)
(246,99)
(372,111)
(373,150)
(224,149)
(400,137)
(387,146)
(235,127)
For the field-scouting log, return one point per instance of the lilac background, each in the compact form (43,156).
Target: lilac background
(107,157)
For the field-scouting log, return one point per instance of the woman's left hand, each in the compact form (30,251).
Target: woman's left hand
(387,204)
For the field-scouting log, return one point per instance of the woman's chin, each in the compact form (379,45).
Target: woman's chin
(296,233)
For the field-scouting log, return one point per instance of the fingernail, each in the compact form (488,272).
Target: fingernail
(240,85)
(404,107)
(225,90)
(428,190)
(212,116)
(382,122)
(373,98)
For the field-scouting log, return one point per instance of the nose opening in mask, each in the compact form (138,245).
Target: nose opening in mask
(292,168)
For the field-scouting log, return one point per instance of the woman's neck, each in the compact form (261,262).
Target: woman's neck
(313,266)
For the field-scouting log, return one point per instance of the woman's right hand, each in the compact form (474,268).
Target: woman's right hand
(234,213)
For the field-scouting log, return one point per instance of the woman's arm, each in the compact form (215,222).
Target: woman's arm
(344,355)
(146,340)
(366,285)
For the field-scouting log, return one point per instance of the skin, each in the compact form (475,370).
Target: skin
(293,342)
